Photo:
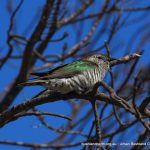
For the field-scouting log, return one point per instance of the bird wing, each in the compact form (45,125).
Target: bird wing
(68,70)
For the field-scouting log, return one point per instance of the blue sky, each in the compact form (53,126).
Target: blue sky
(24,128)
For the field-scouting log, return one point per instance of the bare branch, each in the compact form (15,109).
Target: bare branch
(125,59)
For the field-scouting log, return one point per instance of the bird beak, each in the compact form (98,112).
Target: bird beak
(111,59)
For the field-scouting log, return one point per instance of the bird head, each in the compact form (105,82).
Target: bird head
(101,60)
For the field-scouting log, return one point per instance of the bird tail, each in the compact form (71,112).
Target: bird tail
(32,83)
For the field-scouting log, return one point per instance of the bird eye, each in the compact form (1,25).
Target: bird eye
(99,57)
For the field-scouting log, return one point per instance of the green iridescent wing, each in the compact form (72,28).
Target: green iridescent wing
(68,70)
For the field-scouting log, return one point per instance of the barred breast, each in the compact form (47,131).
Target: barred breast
(79,83)
(84,82)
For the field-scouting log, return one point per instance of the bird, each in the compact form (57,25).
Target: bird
(79,76)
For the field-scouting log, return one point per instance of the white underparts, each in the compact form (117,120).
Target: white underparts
(79,83)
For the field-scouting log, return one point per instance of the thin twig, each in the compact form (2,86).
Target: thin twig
(97,123)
